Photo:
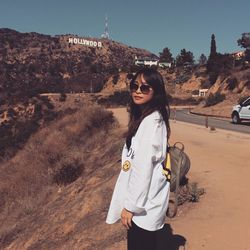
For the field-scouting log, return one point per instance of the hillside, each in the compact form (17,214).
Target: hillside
(55,192)
(56,189)
(32,63)
(181,85)
(46,187)
(232,88)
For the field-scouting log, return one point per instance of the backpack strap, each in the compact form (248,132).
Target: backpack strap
(166,165)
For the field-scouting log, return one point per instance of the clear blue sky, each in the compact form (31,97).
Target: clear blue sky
(152,25)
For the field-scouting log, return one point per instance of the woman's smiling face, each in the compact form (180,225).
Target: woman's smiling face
(138,97)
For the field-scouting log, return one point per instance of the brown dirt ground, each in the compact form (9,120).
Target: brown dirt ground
(220,163)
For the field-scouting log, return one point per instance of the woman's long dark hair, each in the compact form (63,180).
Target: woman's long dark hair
(158,102)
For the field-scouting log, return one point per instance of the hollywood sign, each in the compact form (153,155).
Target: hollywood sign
(85,42)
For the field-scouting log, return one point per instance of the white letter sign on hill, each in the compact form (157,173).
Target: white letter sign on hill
(77,40)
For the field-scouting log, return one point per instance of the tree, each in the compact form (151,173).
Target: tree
(219,64)
(184,57)
(166,56)
(247,55)
(244,41)
(202,59)
(212,57)
(213,51)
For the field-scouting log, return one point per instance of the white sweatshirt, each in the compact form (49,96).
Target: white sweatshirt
(141,186)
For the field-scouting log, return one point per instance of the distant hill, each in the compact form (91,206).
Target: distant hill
(32,63)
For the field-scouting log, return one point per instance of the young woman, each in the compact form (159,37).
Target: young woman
(140,197)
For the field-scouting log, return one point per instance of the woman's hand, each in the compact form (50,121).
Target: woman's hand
(126,218)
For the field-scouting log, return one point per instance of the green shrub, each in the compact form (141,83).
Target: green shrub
(213,99)
(213,77)
(68,174)
(119,98)
(232,83)
(205,84)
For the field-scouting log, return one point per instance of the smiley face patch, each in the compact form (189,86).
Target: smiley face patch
(126,166)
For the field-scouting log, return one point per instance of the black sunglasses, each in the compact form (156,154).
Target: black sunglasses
(144,88)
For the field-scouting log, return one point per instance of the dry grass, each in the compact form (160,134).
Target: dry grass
(242,75)
(57,189)
(55,156)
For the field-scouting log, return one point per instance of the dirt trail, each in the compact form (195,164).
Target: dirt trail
(221,164)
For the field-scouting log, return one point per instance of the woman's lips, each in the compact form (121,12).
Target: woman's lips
(137,97)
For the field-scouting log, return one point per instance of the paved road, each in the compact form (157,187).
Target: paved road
(185,116)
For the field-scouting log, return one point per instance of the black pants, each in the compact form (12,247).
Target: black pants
(141,239)
(162,239)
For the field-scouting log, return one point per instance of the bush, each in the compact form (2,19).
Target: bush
(213,77)
(119,98)
(68,174)
(115,78)
(232,83)
(62,97)
(182,78)
(213,99)
(205,84)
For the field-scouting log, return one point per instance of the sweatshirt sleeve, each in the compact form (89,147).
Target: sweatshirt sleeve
(151,141)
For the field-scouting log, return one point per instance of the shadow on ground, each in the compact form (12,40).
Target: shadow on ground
(168,240)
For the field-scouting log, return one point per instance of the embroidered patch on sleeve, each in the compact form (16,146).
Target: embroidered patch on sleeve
(126,166)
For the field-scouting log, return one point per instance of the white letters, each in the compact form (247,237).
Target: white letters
(76,40)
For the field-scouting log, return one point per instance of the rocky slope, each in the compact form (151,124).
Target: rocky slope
(182,85)
(32,63)
(233,87)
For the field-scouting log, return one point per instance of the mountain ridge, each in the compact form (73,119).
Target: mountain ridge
(32,63)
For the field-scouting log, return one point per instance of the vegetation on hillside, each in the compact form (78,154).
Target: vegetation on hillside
(32,63)
(73,147)
(118,98)
(59,185)
(19,121)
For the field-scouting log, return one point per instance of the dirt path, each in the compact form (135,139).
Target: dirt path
(221,164)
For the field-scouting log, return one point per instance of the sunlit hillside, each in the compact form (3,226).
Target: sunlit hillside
(57,187)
